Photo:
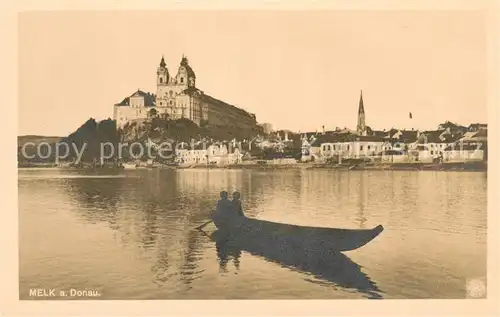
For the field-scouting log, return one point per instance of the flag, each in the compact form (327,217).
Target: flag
(411,116)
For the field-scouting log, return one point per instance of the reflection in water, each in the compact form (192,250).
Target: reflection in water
(226,252)
(190,267)
(333,267)
(160,269)
(362,201)
(150,230)
(134,232)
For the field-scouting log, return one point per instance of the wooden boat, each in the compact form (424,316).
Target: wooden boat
(262,235)
(329,267)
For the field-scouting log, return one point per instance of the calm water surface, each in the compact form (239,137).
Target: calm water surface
(130,234)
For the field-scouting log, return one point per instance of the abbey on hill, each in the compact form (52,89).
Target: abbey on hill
(178,97)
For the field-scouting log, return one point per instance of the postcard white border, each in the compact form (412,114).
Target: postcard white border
(10,304)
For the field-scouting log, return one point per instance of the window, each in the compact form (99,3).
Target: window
(361,148)
(182,80)
(348,148)
(161,103)
(368,147)
(161,80)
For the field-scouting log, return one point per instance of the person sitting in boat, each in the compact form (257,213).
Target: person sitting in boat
(222,213)
(237,208)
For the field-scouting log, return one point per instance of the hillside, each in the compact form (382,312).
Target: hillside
(36,139)
(93,134)
(31,149)
(90,135)
(161,130)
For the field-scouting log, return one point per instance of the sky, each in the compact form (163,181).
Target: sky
(298,70)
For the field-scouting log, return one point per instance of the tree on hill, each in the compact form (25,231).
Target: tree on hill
(184,130)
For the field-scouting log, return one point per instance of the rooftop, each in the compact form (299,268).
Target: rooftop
(437,137)
(345,137)
(149,99)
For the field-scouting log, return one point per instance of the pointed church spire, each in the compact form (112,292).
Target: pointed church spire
(361,105)
(162,63)
(361,128)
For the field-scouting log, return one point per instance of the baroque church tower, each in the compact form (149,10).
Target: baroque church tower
(162,73)
(361,129)
(174,94)
(185,75)
(162,80)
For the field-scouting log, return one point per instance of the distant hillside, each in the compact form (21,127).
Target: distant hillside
(23,139)
(30,155)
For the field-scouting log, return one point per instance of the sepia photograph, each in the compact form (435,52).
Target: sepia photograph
(253,155)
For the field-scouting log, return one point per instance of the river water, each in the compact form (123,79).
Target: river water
(129,234)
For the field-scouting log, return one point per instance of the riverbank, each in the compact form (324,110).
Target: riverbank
(459,166)
(37,165)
